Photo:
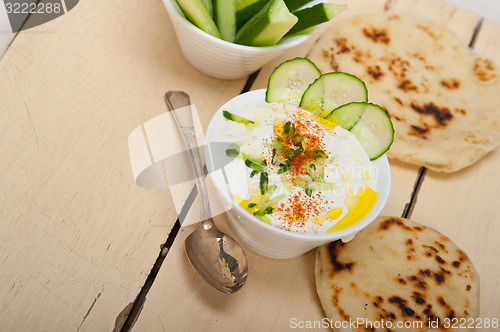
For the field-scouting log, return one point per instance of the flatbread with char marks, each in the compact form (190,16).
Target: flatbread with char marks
(398,271)
(442,98)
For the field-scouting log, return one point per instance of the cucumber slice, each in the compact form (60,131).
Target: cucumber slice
(374,131)
(313,16)
(225,18)
(250,10)
(196,12)
(290,79)
(236,118)
(293,5)
(331,90)
(347,115)
(268,26)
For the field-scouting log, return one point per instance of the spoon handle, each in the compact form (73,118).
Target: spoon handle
(184,119)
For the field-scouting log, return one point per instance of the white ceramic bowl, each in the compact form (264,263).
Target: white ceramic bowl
(266,239)
(221,59)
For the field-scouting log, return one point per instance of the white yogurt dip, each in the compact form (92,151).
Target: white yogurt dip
(296,171)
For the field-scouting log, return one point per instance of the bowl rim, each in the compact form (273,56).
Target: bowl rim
(381,163)
(286,44)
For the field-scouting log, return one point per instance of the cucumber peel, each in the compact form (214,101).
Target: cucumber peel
(243,14)
(268,26)
(196,12)
(374,131)
(293,5)
(312,16)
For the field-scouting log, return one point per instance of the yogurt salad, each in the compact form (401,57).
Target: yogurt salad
(295,170)
(302,158)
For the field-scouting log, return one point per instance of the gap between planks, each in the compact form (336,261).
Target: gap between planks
(127,318)
(408,210)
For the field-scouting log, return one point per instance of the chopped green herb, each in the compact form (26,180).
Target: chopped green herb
(308,191)
(263,211)
(236,118)
(253,165)
(279,144)
(320,154)
(264,182)
(251,205)
(287,128)
(295,152)
(284,167)
(232,153)
(254,172)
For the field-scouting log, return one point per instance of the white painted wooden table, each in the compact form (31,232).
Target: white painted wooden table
(79,239)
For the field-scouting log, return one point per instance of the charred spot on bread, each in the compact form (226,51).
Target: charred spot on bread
(405,310)
(417,282)
(451,84)
(335,302)
(419,131)
(407,85)
(484,70)
(397,100)
(439,278)
(375,72)
(377,35)
(390,222)
(441,114)
(440,260)
(418,297)
(341,45)
(425,272)
(333,249)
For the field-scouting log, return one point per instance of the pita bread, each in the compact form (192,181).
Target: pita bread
(398,271)
(443,99)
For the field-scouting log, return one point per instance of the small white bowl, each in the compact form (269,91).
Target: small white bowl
(261,237)
(219,58)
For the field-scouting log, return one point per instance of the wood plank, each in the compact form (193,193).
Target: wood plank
(78,236)
(464,205)
(277,291)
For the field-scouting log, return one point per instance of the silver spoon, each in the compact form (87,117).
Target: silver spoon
(217,257)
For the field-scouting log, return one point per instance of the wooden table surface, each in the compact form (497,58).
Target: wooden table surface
(79,238)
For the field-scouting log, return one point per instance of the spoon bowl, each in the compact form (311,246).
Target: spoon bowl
(217,258)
